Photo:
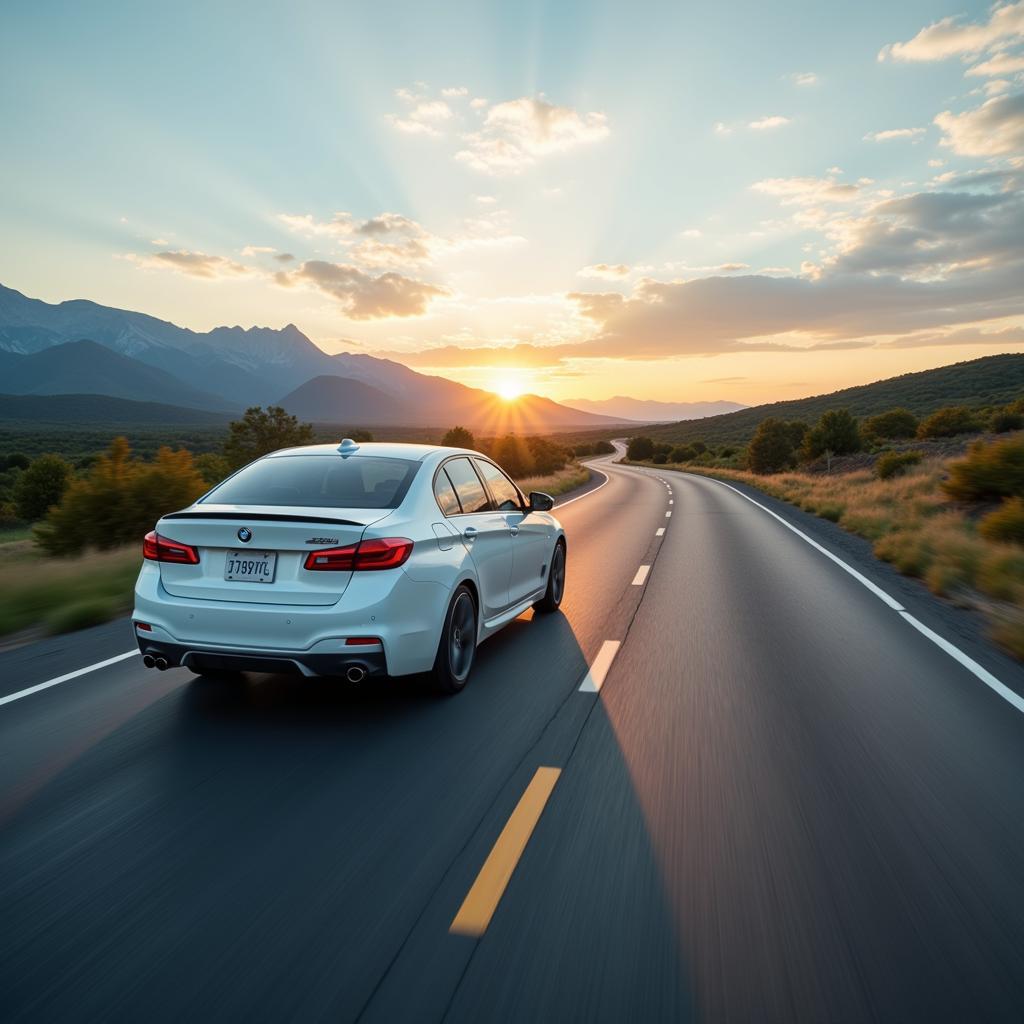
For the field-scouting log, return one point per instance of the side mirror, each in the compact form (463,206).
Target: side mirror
(541,502)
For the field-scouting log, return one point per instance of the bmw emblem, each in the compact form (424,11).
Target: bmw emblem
(245,535)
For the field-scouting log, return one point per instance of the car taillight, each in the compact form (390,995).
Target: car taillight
(163,549)
(382,553)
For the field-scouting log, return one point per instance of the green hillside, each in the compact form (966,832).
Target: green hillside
(992,380)
(91,409)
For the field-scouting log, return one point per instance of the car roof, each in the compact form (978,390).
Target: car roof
(376,449)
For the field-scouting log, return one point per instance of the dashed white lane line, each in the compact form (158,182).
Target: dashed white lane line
(660,531)
(670,501)
(594,679)
(66,677)
(641,576)
(668,515)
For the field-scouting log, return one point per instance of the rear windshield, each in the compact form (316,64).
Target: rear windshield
(318,481)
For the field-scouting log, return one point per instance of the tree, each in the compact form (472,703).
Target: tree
(892,425)
(836,433)
(771,448)
(212,467)
(259,433)
(459,437)
(119,500)
(513,454)
(699,447)
(603,448)
(950,421)
(682,453)
(41,485)
(639,449)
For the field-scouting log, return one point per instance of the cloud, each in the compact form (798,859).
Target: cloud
(455,91)
(517,133)
(257,250)
(192,264)
(894,133)
(996,128)
(392,240)
(284,257)
(606,271)
(767,123)
(951,37)
(721,128)
(803,78)
(424,115)
(963,336)
(1000,64)
(806,191)
(363,296)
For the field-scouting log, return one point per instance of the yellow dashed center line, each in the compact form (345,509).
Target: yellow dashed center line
(482,899)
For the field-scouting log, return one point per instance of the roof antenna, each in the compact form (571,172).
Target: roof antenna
(347,447)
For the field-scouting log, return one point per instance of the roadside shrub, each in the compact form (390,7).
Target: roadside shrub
(212,467)
(639,449)
(603,447)
(81,615)
(836,433)
(892,425)
(1006,523)
(16,460)
(949,422)
(699,447)
(1002,421)
(548,457)
(682,453)
(659,458)
(891,464)
(992,470)
(40,486)
(771,448)
(119,500)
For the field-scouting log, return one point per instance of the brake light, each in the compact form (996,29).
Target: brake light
(362,641)
(163,549)
(383,553)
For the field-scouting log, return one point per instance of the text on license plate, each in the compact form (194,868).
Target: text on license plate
(250,566)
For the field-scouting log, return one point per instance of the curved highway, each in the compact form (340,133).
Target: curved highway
(748,774)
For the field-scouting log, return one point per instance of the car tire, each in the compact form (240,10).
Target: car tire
(552,598)
(456,648)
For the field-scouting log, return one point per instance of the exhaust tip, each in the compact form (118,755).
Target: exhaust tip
(161,663)
(355,673)
(148,660)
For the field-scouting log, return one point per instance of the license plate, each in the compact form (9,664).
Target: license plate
(250,566)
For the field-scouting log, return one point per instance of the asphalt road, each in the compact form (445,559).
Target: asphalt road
(785,802)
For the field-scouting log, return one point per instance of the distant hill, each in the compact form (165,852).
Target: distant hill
(646,411)
(991,380)
(88,410)
(234,367)
(84,367)
(328,399)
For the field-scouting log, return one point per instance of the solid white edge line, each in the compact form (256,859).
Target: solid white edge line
(859,577)
(1012,698)
(968,663)
(580,497)
(641,575)
(64,678)
(594,679)
(660,531)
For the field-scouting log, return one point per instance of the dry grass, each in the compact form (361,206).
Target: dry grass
(914,525)
(566,479)
(65,593)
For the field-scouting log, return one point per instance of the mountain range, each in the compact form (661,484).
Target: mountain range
(648,411)
(81,347)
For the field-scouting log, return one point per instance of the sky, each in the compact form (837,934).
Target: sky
(675,201)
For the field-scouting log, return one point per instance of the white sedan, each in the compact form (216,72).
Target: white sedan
(348,560)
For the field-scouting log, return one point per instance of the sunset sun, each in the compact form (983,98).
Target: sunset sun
(508,386)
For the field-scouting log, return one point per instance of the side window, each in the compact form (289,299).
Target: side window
(472,495)
(447,500)
(503,491)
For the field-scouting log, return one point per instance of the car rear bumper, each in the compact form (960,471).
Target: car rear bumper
(353,663)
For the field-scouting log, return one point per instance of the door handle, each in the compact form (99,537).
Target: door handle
(469,532)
